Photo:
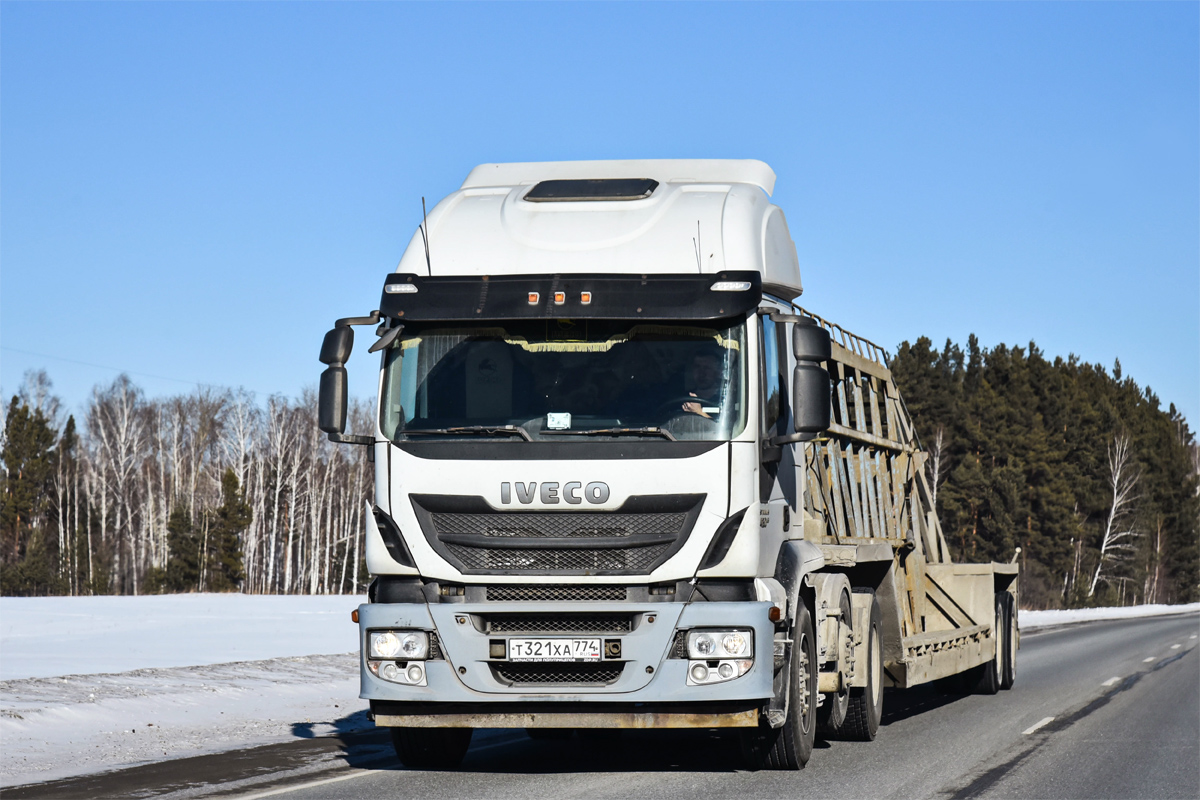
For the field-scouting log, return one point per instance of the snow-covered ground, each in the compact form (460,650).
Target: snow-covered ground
(46,636)
(95,683)
(1032,620)
(88,684)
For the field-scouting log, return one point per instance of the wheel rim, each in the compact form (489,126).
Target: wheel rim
(1012,646)
(876,669)
(998,661)
(805,694)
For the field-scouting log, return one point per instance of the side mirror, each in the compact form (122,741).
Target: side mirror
(811,392)
(334,393)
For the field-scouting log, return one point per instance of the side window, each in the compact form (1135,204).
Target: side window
(772,392)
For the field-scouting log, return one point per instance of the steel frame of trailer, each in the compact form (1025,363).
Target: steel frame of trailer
(872,510)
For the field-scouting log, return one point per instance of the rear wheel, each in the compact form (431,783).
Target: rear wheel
(789,746)
(431,748)
(866,703)
(989,676)
(1010,642)
(831,715)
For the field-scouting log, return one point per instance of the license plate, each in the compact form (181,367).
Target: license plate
(554,650)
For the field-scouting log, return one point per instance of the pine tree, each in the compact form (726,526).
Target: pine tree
(27,555)
(225,536)
(182,570)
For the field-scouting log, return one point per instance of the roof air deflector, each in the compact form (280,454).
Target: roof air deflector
(568,191)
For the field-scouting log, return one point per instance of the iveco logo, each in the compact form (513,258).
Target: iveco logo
(573,492)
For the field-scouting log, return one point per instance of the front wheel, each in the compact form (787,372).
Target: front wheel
(431,748)
(789,746)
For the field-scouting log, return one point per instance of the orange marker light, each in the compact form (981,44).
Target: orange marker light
(354,615)
(533,298)
(560,298)
(774,614)
(585,298)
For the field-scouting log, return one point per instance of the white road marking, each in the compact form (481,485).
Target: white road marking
(1148,660)
(1040,724)
(1193,636)
(297,786)
(1110,681)
(1176,646)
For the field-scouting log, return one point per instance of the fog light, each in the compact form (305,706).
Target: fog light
(725,670)
(389,671)
(415,673)
(699,673)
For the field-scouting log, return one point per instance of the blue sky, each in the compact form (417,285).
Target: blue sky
(196,191)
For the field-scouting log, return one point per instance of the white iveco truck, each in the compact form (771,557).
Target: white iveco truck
(624,481)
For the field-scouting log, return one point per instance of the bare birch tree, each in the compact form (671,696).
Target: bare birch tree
(1119,527)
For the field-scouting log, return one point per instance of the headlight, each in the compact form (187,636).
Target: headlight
(705,644)
(400,645)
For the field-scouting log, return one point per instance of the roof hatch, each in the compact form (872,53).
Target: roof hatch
(567,191)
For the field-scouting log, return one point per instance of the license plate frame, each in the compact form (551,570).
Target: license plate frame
(556,649)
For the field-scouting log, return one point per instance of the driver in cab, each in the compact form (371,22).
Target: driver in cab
(702,380)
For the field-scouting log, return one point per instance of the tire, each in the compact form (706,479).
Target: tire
(790,746)
(1010,642)
(549,734)
(989,676)
(831,715)
(431,748)
(866,703)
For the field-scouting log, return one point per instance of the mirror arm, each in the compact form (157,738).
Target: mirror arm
(351,438)
(792,438)
(345,322)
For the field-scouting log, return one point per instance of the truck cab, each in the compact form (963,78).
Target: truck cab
(606,493)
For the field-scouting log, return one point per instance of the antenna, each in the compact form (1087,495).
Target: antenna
(696,244)
(424,227)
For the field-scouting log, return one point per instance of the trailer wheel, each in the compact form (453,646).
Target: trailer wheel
(431,748)
(832,713)
(866,703)
(789,746)
(1010,642)
(989,676)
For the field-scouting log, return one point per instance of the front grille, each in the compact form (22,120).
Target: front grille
(558,623)
(596,673)
(632,540)
(632,559)
(557,525)
(554,593)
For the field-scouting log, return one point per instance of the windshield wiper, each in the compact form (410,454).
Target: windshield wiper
(511,430)
(614,432)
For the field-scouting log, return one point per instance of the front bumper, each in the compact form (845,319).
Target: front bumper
(651,690)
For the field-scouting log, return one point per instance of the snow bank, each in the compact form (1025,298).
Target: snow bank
(77,724)
(1032,620)
(46,636)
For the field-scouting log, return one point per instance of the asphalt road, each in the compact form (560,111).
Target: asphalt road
(1099,710)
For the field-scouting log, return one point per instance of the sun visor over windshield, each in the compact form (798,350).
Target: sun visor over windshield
(662,297)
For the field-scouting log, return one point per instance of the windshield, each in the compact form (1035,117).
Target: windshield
(554,380)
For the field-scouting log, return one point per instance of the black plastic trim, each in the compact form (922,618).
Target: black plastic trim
(396,589)
(722,540)
(735,590)
(632,297)
(392,539)
(514,450)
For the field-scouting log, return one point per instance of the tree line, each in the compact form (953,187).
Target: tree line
(1079,467)
(205,491)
